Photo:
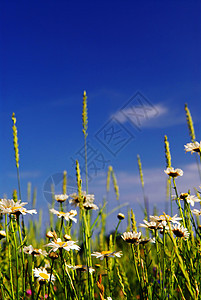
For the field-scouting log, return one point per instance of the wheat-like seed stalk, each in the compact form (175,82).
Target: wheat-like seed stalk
(15,141)
(84,114)
(167,152)
(190,123)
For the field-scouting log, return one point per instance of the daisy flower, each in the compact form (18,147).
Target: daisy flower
(8,206)
(61,197)
(165,218)
(149,225)
(174,172)
(2,234)
(180,231)
(120,216)
(67,216)
(42,275)
(192,199)
(81,268)
(88,206)
(59,244)
(193,147)
(131,237)
(145,241)
(196,212)
(34,251)
(104,254)
(76,201)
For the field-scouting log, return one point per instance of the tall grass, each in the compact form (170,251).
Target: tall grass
(162,262)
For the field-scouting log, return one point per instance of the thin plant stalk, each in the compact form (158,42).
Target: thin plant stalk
(9,256)
(16,257)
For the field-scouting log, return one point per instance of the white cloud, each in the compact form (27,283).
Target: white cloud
(158,115)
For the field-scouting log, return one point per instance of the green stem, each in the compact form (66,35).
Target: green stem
(16,256)
(23,262)
(86,168)
(178,202)
(50,279)
(9,256)
(39,291)
(136,269)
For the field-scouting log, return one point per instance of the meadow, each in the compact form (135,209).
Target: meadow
(159,258)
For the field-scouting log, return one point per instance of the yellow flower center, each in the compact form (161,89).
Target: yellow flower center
(166,217)
(61,244)
(15,208)
(105,252)
(62,213)
(44,276)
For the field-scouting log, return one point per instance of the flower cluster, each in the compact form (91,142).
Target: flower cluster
(8,206)
(86,200)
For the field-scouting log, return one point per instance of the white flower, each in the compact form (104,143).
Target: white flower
(81,268)
(193,147)
(2,234)
(149,225)
(196,212)
(131,237)
(59,244)
(165,218)
(8,206)
(88,206)
(103,254)
(85,198)
(192,199)
(34,251)
(174,172)
(180,231)
(61,198)
(67,216)
(145,241)
(42,275)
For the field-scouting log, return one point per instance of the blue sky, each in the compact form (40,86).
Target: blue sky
(51,51)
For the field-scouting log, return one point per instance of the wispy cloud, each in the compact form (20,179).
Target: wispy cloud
(150,116)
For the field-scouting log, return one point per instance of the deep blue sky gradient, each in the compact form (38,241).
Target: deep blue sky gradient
(51,51)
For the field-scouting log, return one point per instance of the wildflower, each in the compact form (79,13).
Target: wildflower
(67,237)
(2,234)
(165,218)
(193,147)
(174,172)
(183,196)
(42,275)
(180,231)
(131,237)
(67,216)
(28,292)
(85,198)
(8,206)
(61,198)
(196,212)
(104,254)
(30,250)
(81,268)
(53,255)
(192,199)
(150,225)
(59,244)
(51,234)
(145,241)
(120,216)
